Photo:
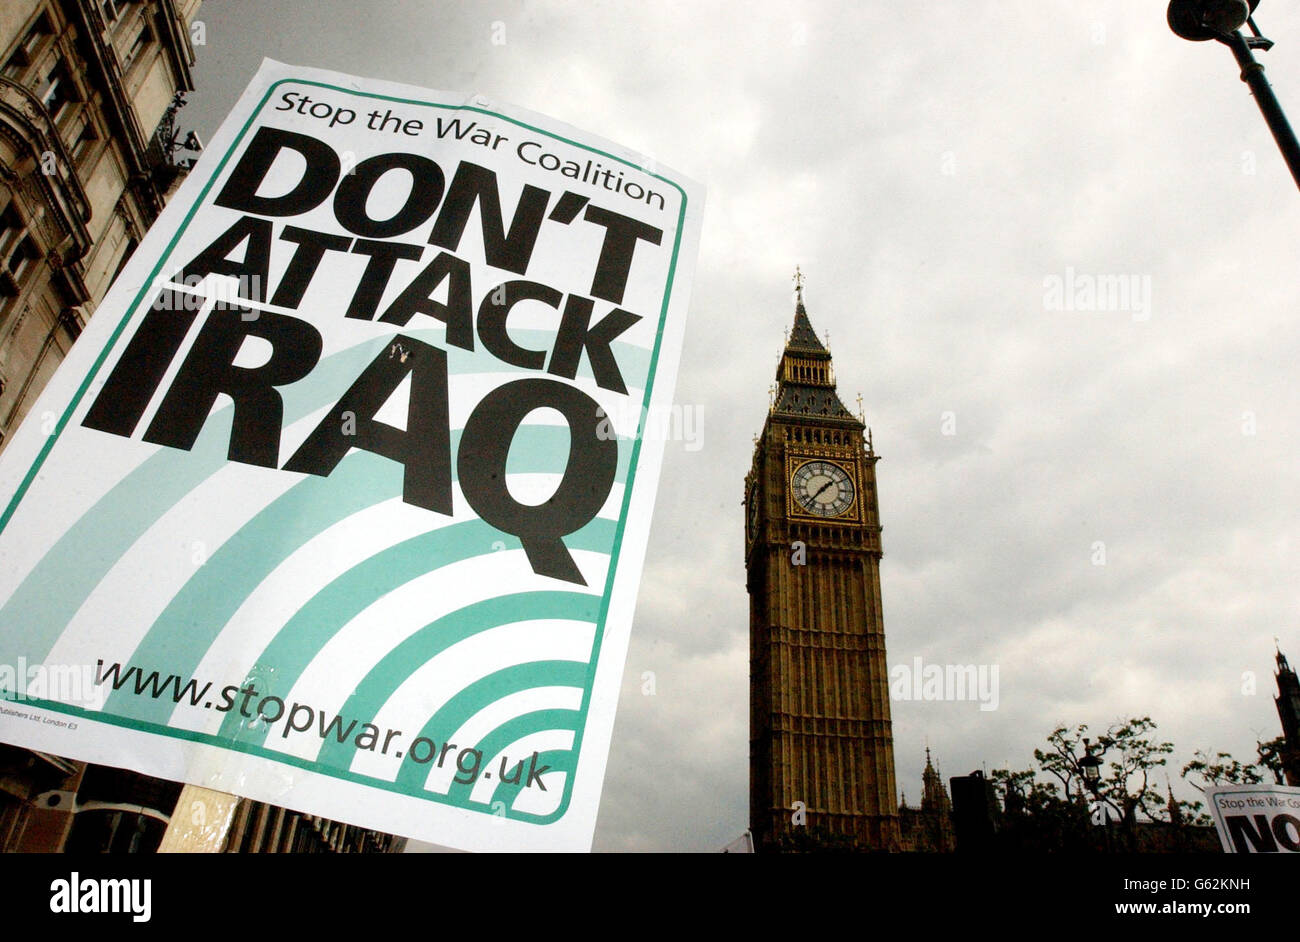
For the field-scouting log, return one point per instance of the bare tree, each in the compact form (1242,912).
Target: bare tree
(1206,771)
(1127,755)
(1134,756)
(1270,757)
(1126,787)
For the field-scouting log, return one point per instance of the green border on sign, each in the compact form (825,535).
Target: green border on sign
(148,286)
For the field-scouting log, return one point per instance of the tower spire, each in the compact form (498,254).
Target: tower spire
(1171,805)
(802,339)
(1288,711)
(934,795)
(805,375)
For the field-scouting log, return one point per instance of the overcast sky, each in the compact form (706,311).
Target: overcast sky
(945,174)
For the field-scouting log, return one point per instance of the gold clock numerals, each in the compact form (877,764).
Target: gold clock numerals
(822,488)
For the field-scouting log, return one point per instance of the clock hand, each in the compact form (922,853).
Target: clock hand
(822,488)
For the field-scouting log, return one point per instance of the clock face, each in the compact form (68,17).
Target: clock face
(822,488)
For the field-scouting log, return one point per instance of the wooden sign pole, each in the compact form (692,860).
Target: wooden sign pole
(200,823)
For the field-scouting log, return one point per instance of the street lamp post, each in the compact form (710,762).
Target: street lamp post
(1222,20)
(1090,765)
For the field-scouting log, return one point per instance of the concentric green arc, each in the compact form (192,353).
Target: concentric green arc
(439,635)
(60,583)
(306,633)
(511,731)
(488,689)
(201,610)
(558,760)
(43,643)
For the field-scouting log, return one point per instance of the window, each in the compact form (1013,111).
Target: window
(57,91)
(16,253)
(12,231)
(36,35)
(23,56)
(17,249)
(112,9)
(21,257)
(131,244)
(84,145)
(142,39)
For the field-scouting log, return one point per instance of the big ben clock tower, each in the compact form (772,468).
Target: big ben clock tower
(821,750)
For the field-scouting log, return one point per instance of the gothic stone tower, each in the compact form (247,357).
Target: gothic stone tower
(1288,710)
(819,688)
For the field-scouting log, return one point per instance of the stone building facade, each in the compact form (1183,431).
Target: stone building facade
(84,89)
(89,91)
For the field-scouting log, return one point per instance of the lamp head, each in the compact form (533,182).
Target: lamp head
(1199,20)
(1090,765)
